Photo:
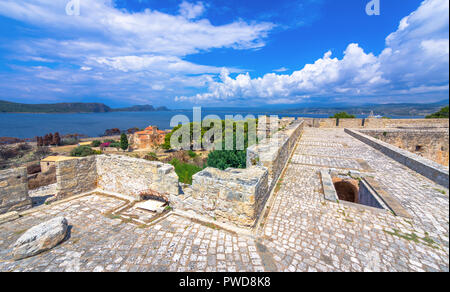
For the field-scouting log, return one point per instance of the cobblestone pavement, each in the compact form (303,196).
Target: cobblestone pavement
(306,233)
(302,232)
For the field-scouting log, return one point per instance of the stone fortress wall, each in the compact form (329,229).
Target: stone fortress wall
(14,190)
(234,196)
(237,196)
(372,123)
(131,176)
(430,169)
(428,138)
(432,144)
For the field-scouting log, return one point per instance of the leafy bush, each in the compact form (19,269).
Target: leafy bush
(342,115)
(227,158)
(442,114)
(185,171)
(109,141)
(192,154)
(115,145)
(123,142)
(82,151)
(96,143)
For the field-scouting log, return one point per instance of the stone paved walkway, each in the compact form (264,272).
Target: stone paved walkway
(302,232)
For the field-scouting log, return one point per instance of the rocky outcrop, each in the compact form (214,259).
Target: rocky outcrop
(40,238)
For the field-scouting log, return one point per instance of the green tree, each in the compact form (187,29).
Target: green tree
(342,115)
(442,114)
(123,141)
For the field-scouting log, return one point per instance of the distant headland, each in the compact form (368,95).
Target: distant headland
(72,107)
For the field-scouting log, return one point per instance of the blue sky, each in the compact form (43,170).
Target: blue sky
(224,53)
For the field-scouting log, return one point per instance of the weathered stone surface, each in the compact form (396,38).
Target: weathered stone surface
(76,176)
(231,196)
(130,176)
(9,216)
(274,152)
(14,190)
(40,238)
(428,143)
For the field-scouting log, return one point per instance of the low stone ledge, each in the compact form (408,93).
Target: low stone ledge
(430,169)
(328,188)
(231,196)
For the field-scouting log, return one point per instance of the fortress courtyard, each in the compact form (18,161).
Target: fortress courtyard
(299,229)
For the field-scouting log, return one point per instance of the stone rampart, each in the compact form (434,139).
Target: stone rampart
(430,169)
(273,153)
(230,196)
(75,176)
(130,176)
(14,190)
(432,144)
(372,123)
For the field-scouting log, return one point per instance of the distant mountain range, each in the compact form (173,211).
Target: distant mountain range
(78,107)
(392,109)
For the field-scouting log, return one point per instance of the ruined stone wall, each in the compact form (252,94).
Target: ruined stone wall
(130,176)
(75,176)
(432,144)
(430,169)
(14,190)
(274,152)
(372,123)
(232,196)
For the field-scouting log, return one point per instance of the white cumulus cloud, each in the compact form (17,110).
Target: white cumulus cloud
(415,60)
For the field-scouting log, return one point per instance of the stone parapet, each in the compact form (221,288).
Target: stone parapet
(75,176)
(273,153)
(432,144)
(230,196)
(373,123)
(130,176)
(430,169)
(14,190)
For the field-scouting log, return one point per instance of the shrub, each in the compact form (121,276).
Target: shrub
(115,145)
(185,171)
(109,141)
(104,145)
(227,158)
(96,143)
(123,142)
(442,114)
(342,115)
(192,154)
(82,151)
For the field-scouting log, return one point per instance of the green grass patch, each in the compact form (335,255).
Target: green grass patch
(185,171)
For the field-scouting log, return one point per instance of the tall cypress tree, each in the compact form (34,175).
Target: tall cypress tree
(124,141)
